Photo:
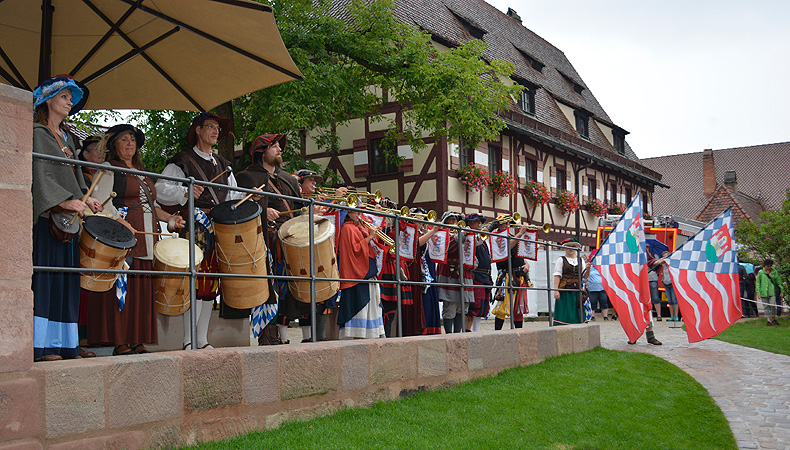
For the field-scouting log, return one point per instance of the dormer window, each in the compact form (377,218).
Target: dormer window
(531,61)
(473,30)
(577,88)
(619,142)
(582,123)
(526,101)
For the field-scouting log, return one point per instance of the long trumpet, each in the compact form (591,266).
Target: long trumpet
(545,227)
(430,216)
(515,217)
(377,196)
(353,200)
(383,236)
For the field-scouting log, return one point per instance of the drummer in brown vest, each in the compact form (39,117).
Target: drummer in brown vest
(201,163)
(266,170)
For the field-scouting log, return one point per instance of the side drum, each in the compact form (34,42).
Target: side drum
(171,292)
(241,249)
(295,238)
(104,244)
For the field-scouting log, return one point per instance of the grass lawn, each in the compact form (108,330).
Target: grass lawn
(755,334)
(600,399)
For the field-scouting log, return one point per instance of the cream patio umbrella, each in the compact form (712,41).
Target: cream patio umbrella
(185,55)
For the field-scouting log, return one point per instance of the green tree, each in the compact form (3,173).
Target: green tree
(456,93)
(769,237)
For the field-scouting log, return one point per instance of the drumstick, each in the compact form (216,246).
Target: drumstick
(112,195)
(157,234)
(249,196)
(88,194)
(228,169)
(304,209)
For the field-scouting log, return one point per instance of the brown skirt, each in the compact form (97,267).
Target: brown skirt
(136,323)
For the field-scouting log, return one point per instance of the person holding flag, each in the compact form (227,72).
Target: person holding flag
(704,273)
(622,262)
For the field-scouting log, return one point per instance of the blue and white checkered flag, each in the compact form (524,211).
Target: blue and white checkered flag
(426,274)
(261,316)
(120,287)
(265,313)
(202,218)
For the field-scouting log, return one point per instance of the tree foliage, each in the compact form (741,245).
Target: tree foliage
(769,237)
(348,58)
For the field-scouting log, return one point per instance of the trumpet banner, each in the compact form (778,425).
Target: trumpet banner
(469,250)
(499,248)
(438,245)
(407,242)
(528,250)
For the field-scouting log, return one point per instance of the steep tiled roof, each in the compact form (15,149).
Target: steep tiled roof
(763,173)
(508,39)
(743,206)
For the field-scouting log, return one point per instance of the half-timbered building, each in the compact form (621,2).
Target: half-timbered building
(555,131)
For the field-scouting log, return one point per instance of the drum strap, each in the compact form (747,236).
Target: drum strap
(202,174)
(274,186)
(150,198)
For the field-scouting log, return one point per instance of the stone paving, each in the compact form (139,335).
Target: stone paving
(752,387)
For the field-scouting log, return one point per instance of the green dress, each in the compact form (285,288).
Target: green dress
(568,309)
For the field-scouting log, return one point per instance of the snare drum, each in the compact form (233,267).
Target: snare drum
(171,292)
(295,238)
(241,249)
(104,244)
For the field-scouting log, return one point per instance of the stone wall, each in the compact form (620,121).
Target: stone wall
(181,397)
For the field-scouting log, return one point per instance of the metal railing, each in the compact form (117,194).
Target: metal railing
(193,274)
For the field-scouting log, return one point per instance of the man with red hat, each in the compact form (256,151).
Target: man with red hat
(201,163)
(266,173)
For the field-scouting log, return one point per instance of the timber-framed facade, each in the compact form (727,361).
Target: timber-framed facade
(556,129)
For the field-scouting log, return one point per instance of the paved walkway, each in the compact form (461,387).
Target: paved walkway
(752,387)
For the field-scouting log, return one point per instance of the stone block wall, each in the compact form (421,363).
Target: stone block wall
(174,398)
(181,397)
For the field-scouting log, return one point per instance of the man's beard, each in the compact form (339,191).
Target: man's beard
(275,161)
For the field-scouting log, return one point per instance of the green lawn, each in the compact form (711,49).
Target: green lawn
(755,334)
(600,399)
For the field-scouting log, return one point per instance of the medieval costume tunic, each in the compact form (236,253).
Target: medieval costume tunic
(56,295)
(136,322)
(568,309)
(283,183)
(482,276)
(430,298)
(414,314)
(448,273)
(389,291)
(518,278)
(360,311)
(200,166)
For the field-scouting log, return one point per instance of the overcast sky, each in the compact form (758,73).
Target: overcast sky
(680,76)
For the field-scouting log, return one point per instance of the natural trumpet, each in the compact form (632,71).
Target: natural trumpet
(376,195)
(545,227)
(430,216)
(383,236)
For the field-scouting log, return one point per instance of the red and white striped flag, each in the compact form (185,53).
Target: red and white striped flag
(622,262)
(704,273)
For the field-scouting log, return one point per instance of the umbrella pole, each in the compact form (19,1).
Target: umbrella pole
(45,53)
